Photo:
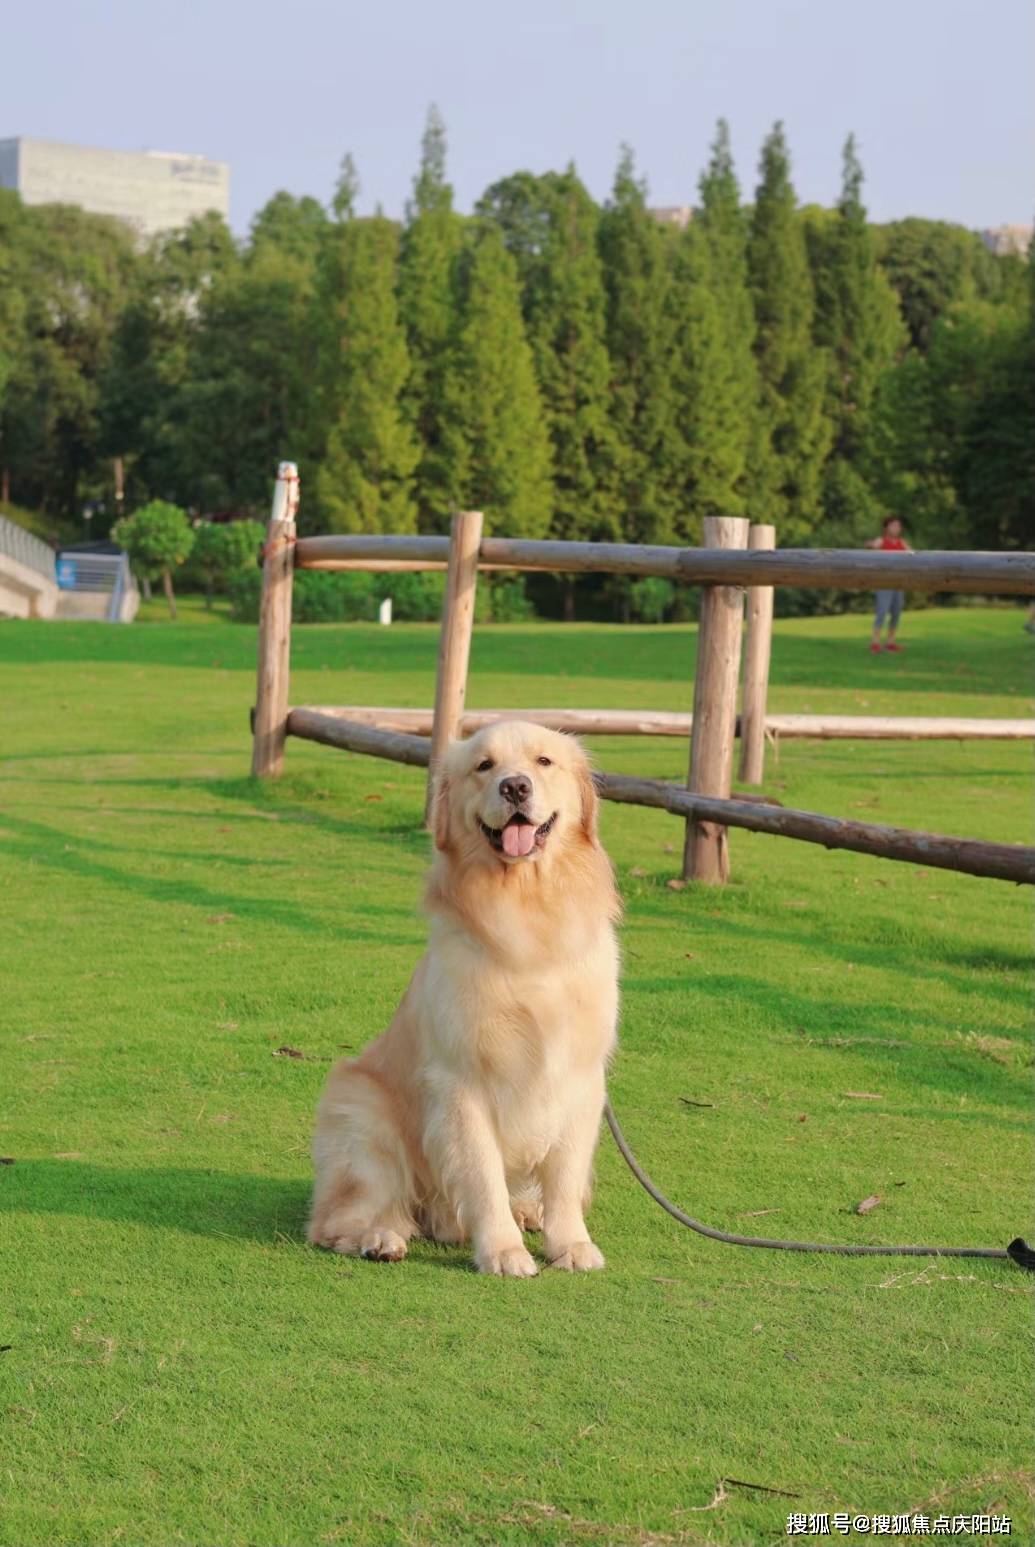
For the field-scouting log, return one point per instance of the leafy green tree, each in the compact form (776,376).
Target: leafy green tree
(247,400)
(151,365)
(496,449)
(158,538)
(13,337)
(429,250)
(634,258)
(650,598)
(223,549)
(364,480)
(67,278)
(858,324)
(950,444)
(793,432)
(714,371)
(932,265)
(549,224)
(722,222)
(295,227)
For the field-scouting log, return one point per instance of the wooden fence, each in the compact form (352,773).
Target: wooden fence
(736,556)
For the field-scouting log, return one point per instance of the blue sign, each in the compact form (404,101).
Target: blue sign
(66,573)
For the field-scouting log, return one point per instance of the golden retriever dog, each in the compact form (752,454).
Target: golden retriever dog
(476,1114)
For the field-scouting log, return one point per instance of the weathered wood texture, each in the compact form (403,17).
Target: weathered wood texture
(350,736)
(706,847)
(983,574)
(454,648)
(271,688)
(850,727)
(660,722)
(757,650)
(1001,861)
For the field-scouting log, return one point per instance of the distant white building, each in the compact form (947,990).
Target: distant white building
(151,190)
(1007,239)
(678,215)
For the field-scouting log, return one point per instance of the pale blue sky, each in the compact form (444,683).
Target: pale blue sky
(938,92)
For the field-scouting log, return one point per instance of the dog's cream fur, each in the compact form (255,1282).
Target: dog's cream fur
(476,1114)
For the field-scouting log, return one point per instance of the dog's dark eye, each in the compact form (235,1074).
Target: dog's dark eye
(545,762)
(484,765)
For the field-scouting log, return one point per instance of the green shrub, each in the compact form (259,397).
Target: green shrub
(324,597)
(244,590)
(650,598)
(318,596)
(221,550)
(508,600)
(416,597)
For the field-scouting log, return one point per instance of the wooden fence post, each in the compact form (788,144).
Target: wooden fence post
(271,691)
(454,646)
(757,650)
(705,850)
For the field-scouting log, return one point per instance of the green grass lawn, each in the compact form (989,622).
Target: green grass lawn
(183,1369)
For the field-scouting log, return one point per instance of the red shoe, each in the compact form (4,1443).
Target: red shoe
(893,647)
(875,648)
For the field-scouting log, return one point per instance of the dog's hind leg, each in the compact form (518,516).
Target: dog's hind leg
(364,1180)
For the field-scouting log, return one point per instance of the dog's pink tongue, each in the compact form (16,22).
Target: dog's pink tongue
(518,839)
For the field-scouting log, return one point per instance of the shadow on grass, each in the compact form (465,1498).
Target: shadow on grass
(216,1204)
(268,804)
(918,953)
(36,843)
(210,1203)
(878,1032)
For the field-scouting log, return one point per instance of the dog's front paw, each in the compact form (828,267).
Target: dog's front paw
(508,1261)
(382,1245)
(580,1257)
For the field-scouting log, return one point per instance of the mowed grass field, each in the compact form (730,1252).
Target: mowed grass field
(183,1369)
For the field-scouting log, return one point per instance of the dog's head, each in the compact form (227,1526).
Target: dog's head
(515,792)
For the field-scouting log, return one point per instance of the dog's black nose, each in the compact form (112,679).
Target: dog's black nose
(516,789)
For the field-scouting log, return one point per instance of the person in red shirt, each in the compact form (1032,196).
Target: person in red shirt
(889,603)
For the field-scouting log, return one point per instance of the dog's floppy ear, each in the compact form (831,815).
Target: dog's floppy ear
(440,810)
(588,799)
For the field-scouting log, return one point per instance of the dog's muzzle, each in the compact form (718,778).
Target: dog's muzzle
(519,837)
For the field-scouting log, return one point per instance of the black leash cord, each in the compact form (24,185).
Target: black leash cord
(1018,1251)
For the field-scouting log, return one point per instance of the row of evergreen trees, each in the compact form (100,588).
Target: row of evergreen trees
(572,370)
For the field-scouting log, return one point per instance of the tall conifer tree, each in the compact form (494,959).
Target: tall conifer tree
(365,479)
(722,223)
(858,323)
(549,223)
(496,446)
(793,433)
(713,364)
(427,303)
(633,252)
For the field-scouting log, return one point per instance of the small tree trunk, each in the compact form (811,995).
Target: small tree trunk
(167,587)
(569,599)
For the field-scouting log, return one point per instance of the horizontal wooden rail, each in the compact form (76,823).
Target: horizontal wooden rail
(1000,861)
(659,722)
(985,574)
